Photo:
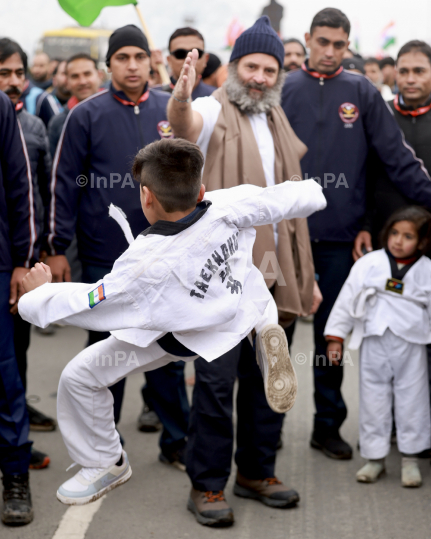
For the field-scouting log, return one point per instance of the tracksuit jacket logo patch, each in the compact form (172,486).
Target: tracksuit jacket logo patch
(164,129)
(96,296)
(348,113)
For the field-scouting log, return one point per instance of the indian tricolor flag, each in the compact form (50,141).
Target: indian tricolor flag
(96,296)
(388,36)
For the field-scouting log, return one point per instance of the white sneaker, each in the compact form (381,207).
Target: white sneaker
(279,377)
(372,470)
(410,473)
(89,484)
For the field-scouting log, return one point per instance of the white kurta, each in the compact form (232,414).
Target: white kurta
(199,284)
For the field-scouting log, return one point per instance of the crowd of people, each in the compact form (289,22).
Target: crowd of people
(356,258)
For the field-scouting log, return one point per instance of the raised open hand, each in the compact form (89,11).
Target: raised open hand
(187,79)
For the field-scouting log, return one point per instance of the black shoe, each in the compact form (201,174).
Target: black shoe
(176,458)
(39,421)
(17,508)
(149,421)
(332,445)
(38,460)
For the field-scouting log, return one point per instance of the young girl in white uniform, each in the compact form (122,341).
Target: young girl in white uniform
(386,301)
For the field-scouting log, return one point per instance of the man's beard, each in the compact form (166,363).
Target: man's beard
(238,92)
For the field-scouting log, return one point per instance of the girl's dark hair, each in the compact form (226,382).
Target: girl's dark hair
(416,215)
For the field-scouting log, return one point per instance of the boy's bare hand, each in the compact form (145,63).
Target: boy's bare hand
(334,352)
(37,276)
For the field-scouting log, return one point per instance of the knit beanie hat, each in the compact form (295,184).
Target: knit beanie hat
(261,37)
(127,36)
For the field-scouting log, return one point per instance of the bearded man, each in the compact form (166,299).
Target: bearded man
(246,138)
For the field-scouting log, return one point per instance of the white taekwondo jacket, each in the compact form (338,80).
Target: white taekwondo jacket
(195,279)
(368,304)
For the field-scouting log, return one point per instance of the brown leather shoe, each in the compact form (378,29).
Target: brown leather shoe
(269,491)
(210,508)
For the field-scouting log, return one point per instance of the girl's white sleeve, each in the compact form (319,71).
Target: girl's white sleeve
(102,306)
(340,322)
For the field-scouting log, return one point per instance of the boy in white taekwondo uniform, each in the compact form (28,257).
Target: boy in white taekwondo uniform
(191,274)
(386,301)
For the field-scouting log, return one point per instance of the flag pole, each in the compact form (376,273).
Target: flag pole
(162,69)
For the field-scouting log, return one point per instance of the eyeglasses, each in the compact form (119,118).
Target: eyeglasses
(181,54)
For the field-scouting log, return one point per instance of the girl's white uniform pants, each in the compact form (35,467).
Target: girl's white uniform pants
(85,405)
(393,372)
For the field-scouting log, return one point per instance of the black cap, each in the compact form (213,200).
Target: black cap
(353,63)
(212,65)
(127,36)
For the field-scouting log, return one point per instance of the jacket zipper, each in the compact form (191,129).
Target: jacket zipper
(141,136)
(319,135)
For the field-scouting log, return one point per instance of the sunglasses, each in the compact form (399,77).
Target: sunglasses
(181,54)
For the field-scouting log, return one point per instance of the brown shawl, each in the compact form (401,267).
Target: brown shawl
(232,159)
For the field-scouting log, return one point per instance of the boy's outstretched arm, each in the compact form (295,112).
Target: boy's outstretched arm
(248,205)
(103,306)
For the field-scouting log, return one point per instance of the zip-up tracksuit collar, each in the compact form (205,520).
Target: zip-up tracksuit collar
(124,100)
(305,67)
(405,110)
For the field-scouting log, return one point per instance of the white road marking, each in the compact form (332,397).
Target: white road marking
(76,520)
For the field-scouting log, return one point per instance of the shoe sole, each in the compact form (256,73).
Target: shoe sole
(41,465)
(243,492)
(320,447)
(212,522)
(89,499)
(149,428)
(281,384)
(18,521)
(41,428)
(364,479)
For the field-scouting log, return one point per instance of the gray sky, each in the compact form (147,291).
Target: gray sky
(26,20)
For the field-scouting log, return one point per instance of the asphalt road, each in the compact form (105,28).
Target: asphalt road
(153,503)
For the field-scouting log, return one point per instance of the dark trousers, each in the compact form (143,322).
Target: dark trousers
(21,337)
(332,262)
(165,393)
(92,274)
(210,441)
(14,425)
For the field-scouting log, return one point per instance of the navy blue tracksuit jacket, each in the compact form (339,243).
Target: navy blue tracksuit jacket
(340,117)
(17,210)
(92,168)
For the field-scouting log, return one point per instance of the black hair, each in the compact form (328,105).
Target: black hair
(8,48)
(421,219)
(294,40)
(81,56)
(171,169)
(372,60)
(332,17)
(58,65)
(186,31)
(415,46)
(387,61)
